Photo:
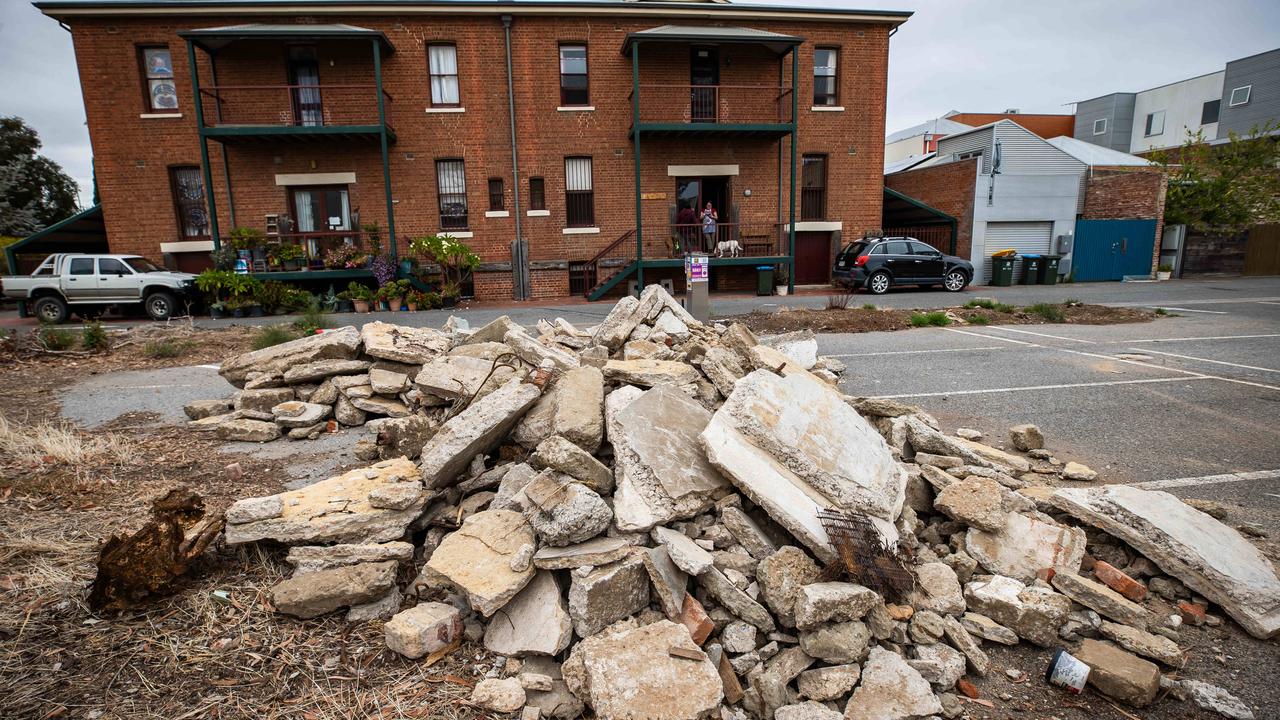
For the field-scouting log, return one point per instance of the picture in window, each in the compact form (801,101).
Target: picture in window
(157,66)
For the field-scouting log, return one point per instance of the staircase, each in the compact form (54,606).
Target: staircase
(611,266)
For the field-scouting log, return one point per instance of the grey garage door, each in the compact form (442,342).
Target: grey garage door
(1025,237)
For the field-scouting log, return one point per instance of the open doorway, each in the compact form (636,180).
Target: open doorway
(693,195)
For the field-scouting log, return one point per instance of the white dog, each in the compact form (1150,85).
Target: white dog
(730,246)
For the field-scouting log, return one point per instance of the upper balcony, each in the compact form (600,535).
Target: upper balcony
(692,81)
(332,89)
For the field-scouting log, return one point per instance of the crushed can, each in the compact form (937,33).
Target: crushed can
(1067,671)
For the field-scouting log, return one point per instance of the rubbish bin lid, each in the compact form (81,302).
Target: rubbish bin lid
(1033,256)
(764,267)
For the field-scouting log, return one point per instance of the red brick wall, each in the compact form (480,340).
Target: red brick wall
(133,154)
(948,188)
(1127,194)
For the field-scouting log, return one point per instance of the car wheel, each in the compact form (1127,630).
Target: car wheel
(50,309)
(159,305)
(879,283)
(955,281)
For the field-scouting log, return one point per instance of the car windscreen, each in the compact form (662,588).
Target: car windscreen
(853,249)
(142,265)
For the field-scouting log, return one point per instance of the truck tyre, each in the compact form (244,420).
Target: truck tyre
(50,309)
(159,305)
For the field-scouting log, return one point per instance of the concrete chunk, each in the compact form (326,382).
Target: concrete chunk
(410,345)
(423,629)
(832,602)
(1099,597)
(560,454)
(683,551)
(1124,676)
(340,344)
(1025,545)
(535,622)
(891,690)
(476,430)
(608,594)
(477,558)
(1034,613)
(600,551)
(313,594)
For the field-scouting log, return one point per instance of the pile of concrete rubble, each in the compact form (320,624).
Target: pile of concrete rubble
(659,518)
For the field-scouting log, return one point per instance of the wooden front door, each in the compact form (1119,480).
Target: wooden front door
(813,258)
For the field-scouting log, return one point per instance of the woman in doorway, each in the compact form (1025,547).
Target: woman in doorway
(708,219)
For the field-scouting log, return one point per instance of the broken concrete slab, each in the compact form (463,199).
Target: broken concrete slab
(1026,437)
(940,665)
(723,368)
(1215,699)
(938,589)
(1119,674)
(974,501)
(650,373)
(1079,473)
(321,369)
(748,533)
(562,455)
(376,405)
(837,642)
(1208,556)
(404,437)
(564,512)
(669,582)
(794,447)
(630,673)
(455,376)
(535,622)
(593,553)
(984,627)
(961,640)
(476,430)
(388,382)
(536,354)
(313,594)
(1138,641)
(1034,613)
(735,600)
(781,577)
(337,344)
(201,409)
(683,551)
(823,602)
(298,414)
(477,558)
(579,408)
(504,695)
(891,690)
(828,683)
(1100,598)
(310,558)
(410,345)
(423,629)
(617,326)
(608,594)
(660,472)
(333,510)
(246,430)
(801,346)
(1026,545)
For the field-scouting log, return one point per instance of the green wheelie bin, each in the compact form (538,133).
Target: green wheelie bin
(1031,265)
(1002,270)
(1049,270)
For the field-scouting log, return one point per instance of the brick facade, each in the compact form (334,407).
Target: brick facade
(133,153)
(1127,193)
(949,188)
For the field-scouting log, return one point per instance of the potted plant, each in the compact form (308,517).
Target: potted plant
(1164,272)
(455,258)
(248,242)
(217,310)
(780,280)
(288,255)
(237,307)
(414,300)
(431,299)
(343,304)
(361,296)
(449,294)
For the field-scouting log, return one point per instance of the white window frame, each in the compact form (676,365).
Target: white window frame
(1149,129)
(1248,93)
(440,90)
(1103,131)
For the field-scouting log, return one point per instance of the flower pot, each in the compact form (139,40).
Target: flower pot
(1164,274)
(237,313)
(396,303)
(217,313)
(361,306)
(449,301)
(255,311)
(782,289)
(343,306)
(413,307)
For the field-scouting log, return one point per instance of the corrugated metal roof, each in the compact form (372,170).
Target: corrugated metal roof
(936,126)
(218,37)
(776,42)
(906,163)
(1091,155)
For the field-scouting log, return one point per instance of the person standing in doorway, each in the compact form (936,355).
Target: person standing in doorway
(709,218)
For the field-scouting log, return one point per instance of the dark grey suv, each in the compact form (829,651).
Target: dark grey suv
(880,263)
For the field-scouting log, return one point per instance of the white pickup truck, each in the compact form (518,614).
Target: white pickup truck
(88,284)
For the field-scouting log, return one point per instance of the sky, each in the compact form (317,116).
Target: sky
(965,55)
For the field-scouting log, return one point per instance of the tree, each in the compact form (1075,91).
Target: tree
(1224,189)
(34,190)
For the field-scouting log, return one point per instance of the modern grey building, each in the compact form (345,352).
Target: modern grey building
(1245,94)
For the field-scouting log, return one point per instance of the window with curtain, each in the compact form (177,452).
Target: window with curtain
(579,200)
(442,63)
(813,190)
(537,194)
(497,198)
(451,187)
(824,77)
(161,95)
(188,201)
(573,76)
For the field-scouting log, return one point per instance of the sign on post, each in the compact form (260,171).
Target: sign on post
(697,276)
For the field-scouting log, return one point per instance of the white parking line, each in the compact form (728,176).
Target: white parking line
(991,337)
(1044,387)
(920,352)
(1207,360)
(1209,480)
(1187,339)
(1211,301)
(1166,368)
(1182,309)
(1267,302)
(1047,335)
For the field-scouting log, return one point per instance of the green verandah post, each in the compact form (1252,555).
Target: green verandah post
(635,136)
(382,137)
(206,173)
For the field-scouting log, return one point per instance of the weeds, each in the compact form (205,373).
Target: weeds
(94,337)
(49,444)
(313,319)
(936,318)
(166,348)
(53,338)
(839,301)
(272,335)
(979,320)
(1073,302)
(1050,312)
(989,304)
(1162,312)
(870,306)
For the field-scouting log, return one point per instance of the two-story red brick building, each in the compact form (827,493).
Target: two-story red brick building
(597,132)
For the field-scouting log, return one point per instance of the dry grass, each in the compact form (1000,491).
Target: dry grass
(60,443)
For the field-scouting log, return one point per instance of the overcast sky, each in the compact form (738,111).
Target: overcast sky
(966,55)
